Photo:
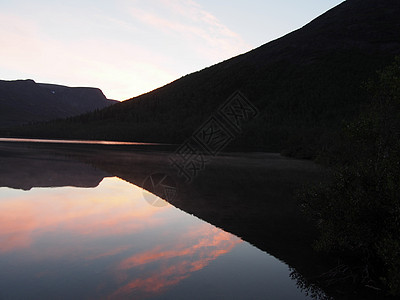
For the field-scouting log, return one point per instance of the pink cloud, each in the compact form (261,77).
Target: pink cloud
(203,30)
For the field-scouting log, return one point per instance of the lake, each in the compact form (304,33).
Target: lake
(73,225)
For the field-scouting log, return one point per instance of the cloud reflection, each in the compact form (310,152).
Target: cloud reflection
(193,252)
(140,249)
(112,209)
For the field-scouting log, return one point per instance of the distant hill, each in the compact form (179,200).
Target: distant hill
(304,85)
(24,101)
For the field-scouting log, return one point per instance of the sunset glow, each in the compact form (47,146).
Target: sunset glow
(128,47)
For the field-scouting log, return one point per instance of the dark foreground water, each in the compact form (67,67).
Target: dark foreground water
(103,240)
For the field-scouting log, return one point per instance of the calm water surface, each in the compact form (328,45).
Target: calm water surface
(88,142)
(107,242)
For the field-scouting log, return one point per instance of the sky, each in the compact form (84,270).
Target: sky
(129,47)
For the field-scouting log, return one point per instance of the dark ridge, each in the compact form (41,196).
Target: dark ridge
(24,101)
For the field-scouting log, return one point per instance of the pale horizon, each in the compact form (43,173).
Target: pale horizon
(129,47)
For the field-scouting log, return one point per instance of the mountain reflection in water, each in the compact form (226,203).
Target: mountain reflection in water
(79,225)
(64,241)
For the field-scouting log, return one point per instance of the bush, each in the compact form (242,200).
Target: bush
(358,212)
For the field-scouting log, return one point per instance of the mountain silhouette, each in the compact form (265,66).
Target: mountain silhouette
(304,85)
(23,101)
